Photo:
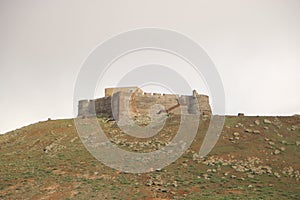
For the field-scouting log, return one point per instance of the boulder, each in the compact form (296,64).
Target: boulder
(266,121)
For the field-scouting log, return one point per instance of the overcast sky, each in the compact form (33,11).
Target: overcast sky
(254,44)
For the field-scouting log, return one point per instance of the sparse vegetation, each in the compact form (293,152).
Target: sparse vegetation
(47,160)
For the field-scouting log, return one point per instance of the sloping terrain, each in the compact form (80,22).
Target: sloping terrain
(255,158)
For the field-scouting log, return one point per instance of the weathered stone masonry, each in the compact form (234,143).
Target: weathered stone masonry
(137,102)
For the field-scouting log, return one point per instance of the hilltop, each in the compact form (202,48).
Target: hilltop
(255,158)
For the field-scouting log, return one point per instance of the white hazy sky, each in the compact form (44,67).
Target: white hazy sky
(255,45)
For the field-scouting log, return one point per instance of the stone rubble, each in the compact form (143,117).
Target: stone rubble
(266,121)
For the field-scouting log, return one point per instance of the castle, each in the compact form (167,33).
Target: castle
(117,101)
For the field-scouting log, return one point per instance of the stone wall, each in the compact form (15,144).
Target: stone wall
(204,105)
(136,102)
(110,91)
(144,102)
(86,108)
(103,106)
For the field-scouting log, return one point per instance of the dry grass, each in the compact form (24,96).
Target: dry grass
(47,160)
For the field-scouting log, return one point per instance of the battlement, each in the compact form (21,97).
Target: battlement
(139,102)
(111,91)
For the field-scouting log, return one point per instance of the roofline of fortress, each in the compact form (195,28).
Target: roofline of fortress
(146,94)
(150,93)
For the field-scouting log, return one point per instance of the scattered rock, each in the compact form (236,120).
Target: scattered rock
(288,171)
(256,132)
(250,176)
(206,177)
(267,169)
(279,135)
(283,142)
(276,152)
(271,143)
(279,126)
(248,130)
(282,149)
(276,175)
(69,125)
(158,181)
(236,134)
(257,122)
(175,184)
(48,148)
(75,138)
(266,128)
(238,125)
(53,147)
(297,143)
(149,182)
(195,156)
(266,121)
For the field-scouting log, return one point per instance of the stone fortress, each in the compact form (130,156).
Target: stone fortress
(119,101)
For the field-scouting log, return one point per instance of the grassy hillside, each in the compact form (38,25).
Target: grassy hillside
(255,158)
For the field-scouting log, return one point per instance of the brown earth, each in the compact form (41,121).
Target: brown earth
(253,159)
